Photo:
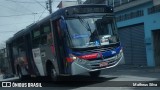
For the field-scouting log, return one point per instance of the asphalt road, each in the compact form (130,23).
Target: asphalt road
(121,78)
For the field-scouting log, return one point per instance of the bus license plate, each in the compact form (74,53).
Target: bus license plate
(102,64)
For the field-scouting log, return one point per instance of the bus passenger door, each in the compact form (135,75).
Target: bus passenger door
(29,53)
(59,47)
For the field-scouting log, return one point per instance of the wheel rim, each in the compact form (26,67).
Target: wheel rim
(53,74)
(19,74)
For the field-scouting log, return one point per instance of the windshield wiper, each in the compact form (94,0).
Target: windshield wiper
(85,23)
(87,26)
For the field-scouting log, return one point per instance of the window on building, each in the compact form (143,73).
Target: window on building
(154,9)
(130,15)
(110,2)
(124,1)
(116,3)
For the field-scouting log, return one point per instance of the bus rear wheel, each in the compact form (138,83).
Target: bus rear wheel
(95,73)
(20,75)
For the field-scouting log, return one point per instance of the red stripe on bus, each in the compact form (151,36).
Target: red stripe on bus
(69,59)
(89,56)
(53,49)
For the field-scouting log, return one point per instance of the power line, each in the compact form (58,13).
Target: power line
(17,15)
(23,2)
(21,14)
(15,23)
(30,2)
(20,5)
(41,14)
(11,9)
(8,32)
(40,4)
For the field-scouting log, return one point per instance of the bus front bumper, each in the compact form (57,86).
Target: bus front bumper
(82,66)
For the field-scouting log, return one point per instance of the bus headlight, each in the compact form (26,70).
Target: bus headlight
(78,60)
(73,57)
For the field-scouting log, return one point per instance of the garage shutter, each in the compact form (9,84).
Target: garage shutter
(132,39)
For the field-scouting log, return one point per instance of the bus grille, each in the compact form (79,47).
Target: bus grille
(98,50)
(97,65)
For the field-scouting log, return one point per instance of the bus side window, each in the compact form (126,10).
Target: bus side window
(21,46)
(21,49)
(36,37)
(15,51)
(46,35)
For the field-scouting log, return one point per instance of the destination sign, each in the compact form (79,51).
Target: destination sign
(85,10)
(91,10)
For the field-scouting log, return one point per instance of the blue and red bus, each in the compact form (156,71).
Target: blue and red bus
(70,41)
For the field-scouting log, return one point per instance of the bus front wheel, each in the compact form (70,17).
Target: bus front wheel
(52,74)
(95,73)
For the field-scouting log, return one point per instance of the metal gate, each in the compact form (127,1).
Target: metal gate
(156,43)
(132,39)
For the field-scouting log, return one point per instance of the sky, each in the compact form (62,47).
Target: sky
(15,15)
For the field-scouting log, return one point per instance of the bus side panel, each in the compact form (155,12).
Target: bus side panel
(47,56)
(10,57)
(43,50)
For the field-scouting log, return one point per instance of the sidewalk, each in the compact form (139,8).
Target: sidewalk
(138,67)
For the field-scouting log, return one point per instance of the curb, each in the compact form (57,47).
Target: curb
(136,68)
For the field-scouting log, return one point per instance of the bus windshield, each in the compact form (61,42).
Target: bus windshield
(91,31)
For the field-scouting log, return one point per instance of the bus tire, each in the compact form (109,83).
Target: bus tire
(52,74)
(20,75)
(95,73)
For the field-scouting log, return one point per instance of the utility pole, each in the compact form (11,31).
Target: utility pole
(49,5)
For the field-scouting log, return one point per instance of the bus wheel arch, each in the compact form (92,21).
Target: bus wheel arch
(51,71)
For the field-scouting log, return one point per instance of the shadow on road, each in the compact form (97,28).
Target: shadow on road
(70,81)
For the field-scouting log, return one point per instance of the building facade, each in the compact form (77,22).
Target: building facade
(139,29)
(4,63)
(64,4)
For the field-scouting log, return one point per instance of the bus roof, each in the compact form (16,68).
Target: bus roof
(55,15)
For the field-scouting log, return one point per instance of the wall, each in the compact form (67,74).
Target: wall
(151,22)
(156,2)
